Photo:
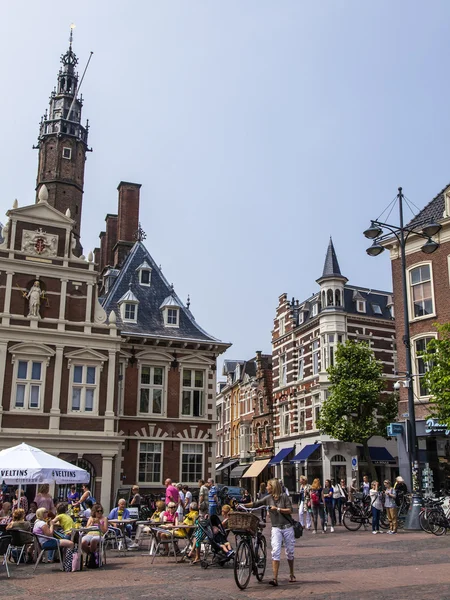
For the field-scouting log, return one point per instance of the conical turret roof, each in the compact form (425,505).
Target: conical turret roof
(331,267)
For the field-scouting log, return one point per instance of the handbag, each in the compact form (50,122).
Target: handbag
(298,527)
(77,564)
(68,561)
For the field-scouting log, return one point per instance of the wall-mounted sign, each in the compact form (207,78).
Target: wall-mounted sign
(394,429)
(433,426)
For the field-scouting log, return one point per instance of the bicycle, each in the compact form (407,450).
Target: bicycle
(357,513)
(251,551)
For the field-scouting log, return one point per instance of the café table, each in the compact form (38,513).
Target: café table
(81,532)
(121,524)
(159,528)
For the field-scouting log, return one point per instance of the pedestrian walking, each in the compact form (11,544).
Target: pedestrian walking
(317,504)
(328,492)
(181,501)
(280,510)
(212,497)
(365,485)
(203,492)
(376,503)
(304,503)
(262,494)
(390,506)
(340,496)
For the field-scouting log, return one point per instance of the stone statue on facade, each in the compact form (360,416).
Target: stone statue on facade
(34,299)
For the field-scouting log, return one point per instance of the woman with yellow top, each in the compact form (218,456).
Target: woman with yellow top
(64,520)
(189,519)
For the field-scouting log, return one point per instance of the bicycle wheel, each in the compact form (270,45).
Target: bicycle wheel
(243,564)
(424,522)
(260,557)
(436,521)
(352,519)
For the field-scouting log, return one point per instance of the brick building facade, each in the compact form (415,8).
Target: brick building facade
(101,363)
(428,279)
(304,341)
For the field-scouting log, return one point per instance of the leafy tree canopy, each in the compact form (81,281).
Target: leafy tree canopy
(437,375)
(356,410)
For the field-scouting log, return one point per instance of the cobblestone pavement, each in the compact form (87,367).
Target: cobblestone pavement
(334,566)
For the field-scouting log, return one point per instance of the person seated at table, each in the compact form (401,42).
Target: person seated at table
(5,513)
(63,519)
(120,513)
(189,519)
(91,540)
(88,510)
(144,529)
(43,498)
(169,520)
(22,503)
(73,495)
(19,522)
(31,514)
(86,495)
(43,526)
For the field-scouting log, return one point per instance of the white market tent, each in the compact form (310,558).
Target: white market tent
(25,464)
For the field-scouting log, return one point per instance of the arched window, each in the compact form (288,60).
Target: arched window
(323,300)
(338,459)
(330,299)
(337,295)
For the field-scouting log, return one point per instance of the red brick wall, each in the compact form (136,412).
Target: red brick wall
(128,217)
(173,394)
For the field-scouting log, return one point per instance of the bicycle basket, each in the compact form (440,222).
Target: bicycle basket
(244,522)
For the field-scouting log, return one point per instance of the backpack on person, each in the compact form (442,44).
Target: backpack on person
(315,497)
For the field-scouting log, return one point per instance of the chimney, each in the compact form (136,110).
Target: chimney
(97,256)
(102,237)
(111,238)
(128,220)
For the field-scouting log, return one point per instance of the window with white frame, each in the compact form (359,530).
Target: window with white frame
(227,409)
(316,409)
(301,317)
(151,390)
(315,309)
(191,462)
(282,326)
(150,458)
(260,437)
(315,356)
(421,291)
(193,393)
(282,370)
(361,306)
(301,415)
(84,388)
(219,417)
(129,311)
(285,428)
(28,384)
(67,153)
(261,405)
(145,276)
(422,366)
(172,316)
(301,363)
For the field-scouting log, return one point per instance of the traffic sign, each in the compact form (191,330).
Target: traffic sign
(354,463)
(394,429)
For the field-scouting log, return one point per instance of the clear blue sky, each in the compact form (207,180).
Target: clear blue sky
(257,129)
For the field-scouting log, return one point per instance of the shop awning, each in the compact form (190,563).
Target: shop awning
(305,453)
(238,471)
(225,465)
(257,467)
(278,458)
(381,456)
(218,465)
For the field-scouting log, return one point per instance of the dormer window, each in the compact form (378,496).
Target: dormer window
(172,316)
(145,273)
(361,306)
(315,309)
(171,311)
(128,305)
(301,317)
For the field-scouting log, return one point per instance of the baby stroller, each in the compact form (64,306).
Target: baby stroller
(212,534)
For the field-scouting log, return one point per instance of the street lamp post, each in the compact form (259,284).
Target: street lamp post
(376,233)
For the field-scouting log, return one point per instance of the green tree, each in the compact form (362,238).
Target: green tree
(356,409)
(437,374)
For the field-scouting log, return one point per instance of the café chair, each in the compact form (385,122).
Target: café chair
(5,541)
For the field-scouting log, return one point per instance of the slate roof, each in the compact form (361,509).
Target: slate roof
(433,211)
(331,267)
(150,317)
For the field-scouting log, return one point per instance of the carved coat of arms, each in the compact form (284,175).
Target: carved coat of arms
(39,243)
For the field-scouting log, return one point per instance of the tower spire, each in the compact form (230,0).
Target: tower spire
(63,143)
(331,266)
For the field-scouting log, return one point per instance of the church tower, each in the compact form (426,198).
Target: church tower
(62,145)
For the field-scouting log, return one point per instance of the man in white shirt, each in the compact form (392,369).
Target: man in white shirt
(187,498)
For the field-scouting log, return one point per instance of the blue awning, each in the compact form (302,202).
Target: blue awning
(381,456)
(278,458)
(305,452)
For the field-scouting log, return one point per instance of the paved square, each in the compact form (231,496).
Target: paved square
(331,566)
